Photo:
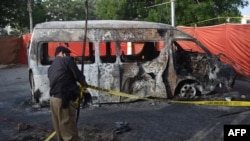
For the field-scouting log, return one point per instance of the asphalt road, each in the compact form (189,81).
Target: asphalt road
(137,121)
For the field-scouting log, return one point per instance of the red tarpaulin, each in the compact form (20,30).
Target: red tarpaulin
(22,55)
(230,39)
(9,49)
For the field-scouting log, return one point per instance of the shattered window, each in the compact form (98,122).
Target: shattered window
(107,51)
(140,51)
(190,46)
(76,48)
(189,58)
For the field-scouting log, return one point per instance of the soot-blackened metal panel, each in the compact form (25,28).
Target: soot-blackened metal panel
(145,79)
(109,78)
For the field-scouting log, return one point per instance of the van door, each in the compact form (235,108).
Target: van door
(108,71)
(142,70)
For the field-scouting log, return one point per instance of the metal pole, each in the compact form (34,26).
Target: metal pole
(85,34)
(172,13)
(29,4)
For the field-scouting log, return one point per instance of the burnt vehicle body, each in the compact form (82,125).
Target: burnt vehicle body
(140,58)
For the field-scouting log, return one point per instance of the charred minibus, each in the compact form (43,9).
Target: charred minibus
(140,58)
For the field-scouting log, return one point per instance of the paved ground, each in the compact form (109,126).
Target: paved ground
(147,120)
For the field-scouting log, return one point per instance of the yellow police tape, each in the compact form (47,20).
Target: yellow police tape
(80,98)
(213,103)
(117,93)
(217,103)
(50,136)
(122,94)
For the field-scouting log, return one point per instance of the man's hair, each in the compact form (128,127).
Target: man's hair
(62,49)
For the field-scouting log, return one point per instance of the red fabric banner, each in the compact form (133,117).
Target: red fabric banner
(9,49)
(22,55)
(230,39)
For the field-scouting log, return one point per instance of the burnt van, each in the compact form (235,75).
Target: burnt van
(140,58)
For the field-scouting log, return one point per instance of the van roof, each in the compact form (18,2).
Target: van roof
(107,24)
(74,30)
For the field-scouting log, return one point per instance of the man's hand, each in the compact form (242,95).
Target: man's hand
(85,84)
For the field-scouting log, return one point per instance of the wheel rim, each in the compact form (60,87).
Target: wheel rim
(187,91)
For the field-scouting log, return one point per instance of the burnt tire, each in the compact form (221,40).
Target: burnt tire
(187,90)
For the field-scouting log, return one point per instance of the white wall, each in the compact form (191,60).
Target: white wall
(245,19)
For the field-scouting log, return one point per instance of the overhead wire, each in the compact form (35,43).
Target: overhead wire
(214,19)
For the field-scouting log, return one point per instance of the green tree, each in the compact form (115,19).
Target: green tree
(38,12)
(67,10)
(15,14)
(159,11)
(203,12)
(110,9)
(187,12)
(122,9)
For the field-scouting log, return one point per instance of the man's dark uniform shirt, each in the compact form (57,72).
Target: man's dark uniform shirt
(63,74)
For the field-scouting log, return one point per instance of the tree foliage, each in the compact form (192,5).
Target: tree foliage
(203,12)
(120,10)
(63,10)
(15,12)
(187,12)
